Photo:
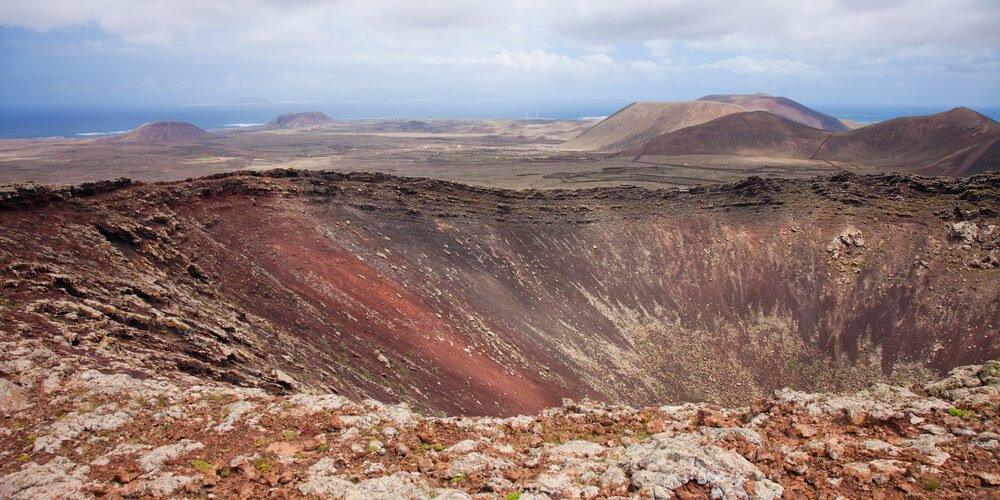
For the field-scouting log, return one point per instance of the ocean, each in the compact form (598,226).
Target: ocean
(23,122)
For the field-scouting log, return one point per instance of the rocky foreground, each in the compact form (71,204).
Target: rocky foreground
(88,423)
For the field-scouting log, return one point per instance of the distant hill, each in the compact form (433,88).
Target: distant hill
(307,119)
(162,132)
(956,142)
(638,123)
(756,133)
(782,107)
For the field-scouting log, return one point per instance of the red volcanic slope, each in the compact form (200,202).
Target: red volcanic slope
(299,120)
(162,132)
(956,142)
(756,133)
(784,107)
(478,301)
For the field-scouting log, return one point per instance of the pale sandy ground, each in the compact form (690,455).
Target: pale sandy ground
(492,153)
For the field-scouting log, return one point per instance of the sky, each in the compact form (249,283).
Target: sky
(474,56)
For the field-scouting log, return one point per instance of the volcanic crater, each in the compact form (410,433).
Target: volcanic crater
(478,301)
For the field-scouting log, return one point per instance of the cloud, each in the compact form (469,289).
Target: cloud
(748,65)
(629,46)
(725,24)
(540,62)
(791,25)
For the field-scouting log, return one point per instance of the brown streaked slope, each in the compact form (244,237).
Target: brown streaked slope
(306,119)
(161,133)
(956,142)
(479,301)
(639,122)
(757,133)
(782,106)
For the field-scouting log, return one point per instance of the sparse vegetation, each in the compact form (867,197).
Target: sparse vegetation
(202,465)
(956,412)
(263,465)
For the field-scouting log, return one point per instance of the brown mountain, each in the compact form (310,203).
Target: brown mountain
(756,133)
(783,107)
(956,142)
(639,122)
(162,132)
(307,119)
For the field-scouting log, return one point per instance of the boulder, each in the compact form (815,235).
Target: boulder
(12,397)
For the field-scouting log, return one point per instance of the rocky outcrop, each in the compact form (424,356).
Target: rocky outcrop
(184,437)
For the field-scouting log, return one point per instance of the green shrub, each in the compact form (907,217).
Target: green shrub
(202,465)
(263,465)
(956,412)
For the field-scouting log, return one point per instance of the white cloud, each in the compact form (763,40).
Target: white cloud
(749,65)
(723,24)
(543,63)
(431,43)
